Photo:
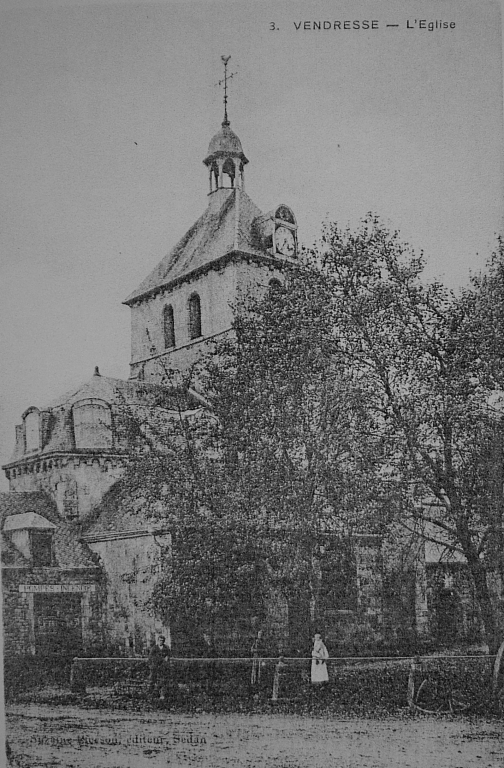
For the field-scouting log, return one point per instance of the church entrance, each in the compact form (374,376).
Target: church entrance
(58,625)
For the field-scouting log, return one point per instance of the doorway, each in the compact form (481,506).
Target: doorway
(58,624)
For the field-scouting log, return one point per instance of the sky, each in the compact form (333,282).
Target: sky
(107,112)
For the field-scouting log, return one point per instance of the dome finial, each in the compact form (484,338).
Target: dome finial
(225,60)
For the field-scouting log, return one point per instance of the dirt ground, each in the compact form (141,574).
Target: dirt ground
(72,737)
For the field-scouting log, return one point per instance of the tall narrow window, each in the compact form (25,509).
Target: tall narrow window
(32,430)
(168,327)
(194,316)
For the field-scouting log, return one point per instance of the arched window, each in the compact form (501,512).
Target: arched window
(229,169)
(285,213)
(194,316)
(92,423)
(32,430)
(168,327)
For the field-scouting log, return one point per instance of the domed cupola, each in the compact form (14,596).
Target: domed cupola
(225,159)
(225,142)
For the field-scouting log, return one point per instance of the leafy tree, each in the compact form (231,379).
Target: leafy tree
(410,344)
(280,459)
(349,398)
(296,436)
(479,325)
(176,479)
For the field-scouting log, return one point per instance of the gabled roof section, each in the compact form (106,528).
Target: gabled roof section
(117,513)
(69,550)
(224,228)
(27,520)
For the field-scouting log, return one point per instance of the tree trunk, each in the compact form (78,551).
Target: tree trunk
(478,573)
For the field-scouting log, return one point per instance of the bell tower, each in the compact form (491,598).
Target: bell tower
(188,301)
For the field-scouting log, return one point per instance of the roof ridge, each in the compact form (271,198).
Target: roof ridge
(224,227)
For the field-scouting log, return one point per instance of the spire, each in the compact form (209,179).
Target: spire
(225,60)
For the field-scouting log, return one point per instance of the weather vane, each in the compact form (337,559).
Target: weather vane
(225,60)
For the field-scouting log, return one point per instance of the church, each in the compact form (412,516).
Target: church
(76,572)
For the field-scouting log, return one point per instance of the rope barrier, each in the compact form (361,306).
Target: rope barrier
(237,659)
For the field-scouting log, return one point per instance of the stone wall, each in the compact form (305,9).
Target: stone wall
(217,291)
(76,483)
(132,565)
(19,585)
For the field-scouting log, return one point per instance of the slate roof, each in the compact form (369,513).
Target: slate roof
(225,227)
(57,433)
(114,514)
(116,392)
(70,551)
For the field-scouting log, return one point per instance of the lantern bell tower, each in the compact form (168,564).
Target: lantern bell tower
(225,159)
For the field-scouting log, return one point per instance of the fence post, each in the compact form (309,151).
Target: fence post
(497,669)
(279,671)
(411,683)
(77,678)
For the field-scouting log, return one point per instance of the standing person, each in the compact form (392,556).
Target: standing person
(320,654)
(159,660)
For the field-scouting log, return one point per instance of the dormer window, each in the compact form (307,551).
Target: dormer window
(32,535)
(168,327)
(92,422)
(31,421)
(194,316)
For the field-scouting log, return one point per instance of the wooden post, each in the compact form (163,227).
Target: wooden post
(77,678)
(279,670)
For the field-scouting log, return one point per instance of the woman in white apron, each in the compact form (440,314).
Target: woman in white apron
(319,673)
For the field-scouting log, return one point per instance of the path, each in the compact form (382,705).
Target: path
(70,737)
